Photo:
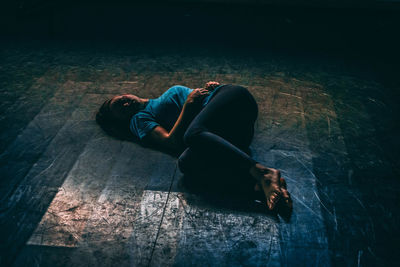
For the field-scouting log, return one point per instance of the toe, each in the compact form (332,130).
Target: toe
(287,200)
(283,183)
(273,199)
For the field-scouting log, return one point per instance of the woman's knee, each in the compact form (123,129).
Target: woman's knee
(243,94)
(239,89)
(248,101)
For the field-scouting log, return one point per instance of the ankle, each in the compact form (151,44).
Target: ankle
(256,171)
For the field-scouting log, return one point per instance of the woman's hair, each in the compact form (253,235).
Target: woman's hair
(112,125)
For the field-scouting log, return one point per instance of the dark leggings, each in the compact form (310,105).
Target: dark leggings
(219,136)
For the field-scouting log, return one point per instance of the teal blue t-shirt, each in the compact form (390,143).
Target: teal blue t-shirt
(163,111)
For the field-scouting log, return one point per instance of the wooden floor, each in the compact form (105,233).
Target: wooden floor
(73,196)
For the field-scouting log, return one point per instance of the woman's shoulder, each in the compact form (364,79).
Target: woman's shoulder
(176,89)
(141,123)
(175,94)
(142,115)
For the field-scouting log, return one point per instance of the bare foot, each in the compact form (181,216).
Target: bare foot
(286,199)
(268,180)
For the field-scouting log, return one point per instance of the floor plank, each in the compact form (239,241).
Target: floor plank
(35,191)
(126,217)
(22,153)
(29,98)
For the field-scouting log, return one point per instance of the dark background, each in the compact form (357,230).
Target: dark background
(363,30)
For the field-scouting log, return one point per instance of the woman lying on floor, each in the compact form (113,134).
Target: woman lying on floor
(213,126)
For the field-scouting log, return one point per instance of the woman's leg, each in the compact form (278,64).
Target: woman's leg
(224,128)
(221,131)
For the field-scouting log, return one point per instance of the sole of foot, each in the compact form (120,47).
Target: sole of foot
(268,181)
(272,192)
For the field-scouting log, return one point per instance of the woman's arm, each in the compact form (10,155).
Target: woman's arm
(174,138)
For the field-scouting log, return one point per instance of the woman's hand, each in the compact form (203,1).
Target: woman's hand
(174,138)
(211,85)
(196,96)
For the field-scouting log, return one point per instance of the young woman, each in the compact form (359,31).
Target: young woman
(213,126)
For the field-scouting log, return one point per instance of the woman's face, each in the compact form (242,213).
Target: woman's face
(125,106)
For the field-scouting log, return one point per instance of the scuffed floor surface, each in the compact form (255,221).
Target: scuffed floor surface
(72,196)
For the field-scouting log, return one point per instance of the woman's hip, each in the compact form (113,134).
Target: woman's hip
(232,100)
